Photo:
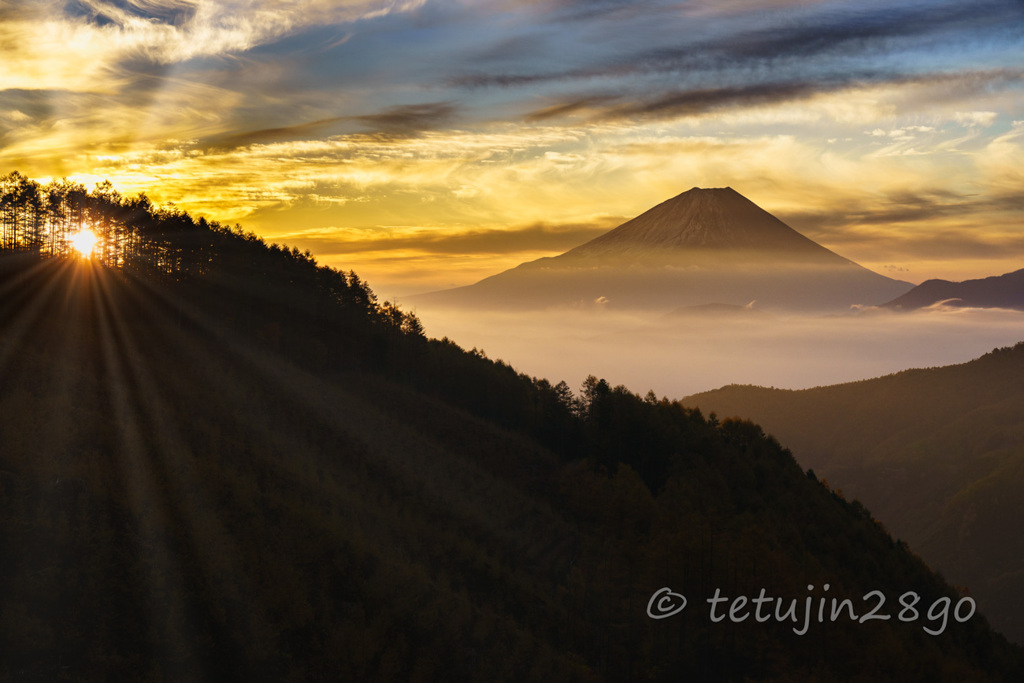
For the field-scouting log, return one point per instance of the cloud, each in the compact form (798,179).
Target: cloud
(536,237)
(75,50)
(921,207)
(124,12)
(666,103)
(585,105)
(860,31)
(410,119)
(302,131)
(977,118)
(691,102)
(783,43)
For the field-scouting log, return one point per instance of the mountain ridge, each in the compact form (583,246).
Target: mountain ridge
(705,219)
(997,291)
(937,453)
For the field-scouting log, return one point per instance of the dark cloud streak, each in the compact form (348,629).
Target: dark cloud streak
(608,106)
(702,101)
(839,225)
(409,119)
(537,237)
(581,105)
(745,54)
(302,131)
(399,122)
(861,33)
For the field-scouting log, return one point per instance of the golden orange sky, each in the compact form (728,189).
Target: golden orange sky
(430,144)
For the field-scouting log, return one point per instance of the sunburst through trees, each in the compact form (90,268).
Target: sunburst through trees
(64,219)
(84,242)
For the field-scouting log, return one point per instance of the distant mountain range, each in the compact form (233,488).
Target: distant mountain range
(936,454)
(1003,291)
(704,246)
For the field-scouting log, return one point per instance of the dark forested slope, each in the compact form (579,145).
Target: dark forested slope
(937,454)
(221,461)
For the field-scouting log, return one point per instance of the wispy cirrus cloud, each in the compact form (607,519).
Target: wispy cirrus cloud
(641,103)
(77,48)
(835,40)
(393,122)
(536,237)
(918,206)
(105,12)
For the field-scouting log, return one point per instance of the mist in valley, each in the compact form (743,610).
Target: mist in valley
(678,354)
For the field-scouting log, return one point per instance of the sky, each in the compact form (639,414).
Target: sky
(430,143)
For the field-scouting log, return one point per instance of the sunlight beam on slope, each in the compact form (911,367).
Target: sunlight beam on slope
(29,306)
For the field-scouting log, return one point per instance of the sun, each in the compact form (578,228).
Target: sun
(84,242)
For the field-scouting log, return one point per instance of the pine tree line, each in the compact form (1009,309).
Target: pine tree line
(137,238)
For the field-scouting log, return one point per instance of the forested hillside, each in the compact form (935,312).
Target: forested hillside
(222,461)
(938,454)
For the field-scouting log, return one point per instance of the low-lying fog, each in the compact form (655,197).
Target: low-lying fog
(681,354)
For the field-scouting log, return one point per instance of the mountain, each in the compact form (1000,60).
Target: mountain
(1003,291)
(221,461)
(701,225)
(937,454)
(704,246)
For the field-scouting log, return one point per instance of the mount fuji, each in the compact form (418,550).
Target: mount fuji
(704,246)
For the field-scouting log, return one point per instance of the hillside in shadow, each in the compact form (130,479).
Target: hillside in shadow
(937,454)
